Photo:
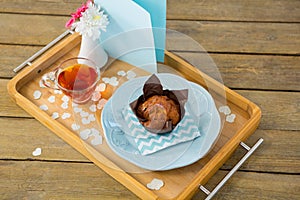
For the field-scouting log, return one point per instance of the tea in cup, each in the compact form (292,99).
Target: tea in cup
(76,78)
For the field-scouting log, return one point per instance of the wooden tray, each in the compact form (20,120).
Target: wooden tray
(181,183)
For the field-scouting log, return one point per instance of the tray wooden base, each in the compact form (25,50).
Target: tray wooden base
(180,183)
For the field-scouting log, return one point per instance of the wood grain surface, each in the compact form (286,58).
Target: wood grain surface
(232,37)
(255,45)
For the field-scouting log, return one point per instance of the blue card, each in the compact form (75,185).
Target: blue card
(129,36)
(157,10)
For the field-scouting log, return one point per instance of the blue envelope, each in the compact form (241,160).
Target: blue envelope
(129,36)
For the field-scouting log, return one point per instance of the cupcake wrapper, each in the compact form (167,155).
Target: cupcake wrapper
(153,87)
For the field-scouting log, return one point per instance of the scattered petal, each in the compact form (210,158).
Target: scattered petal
(85,121)
(44,107)
(77,110)
(84,114)
(57,92)
(131,74)
(101,104)
(155,184)
(230,118)
(101,87)
(93,108)
(55,115)
(37,152)
(75,127)
(85,134)
(114,81)
(94,132)
(37,94)
(66,115)
(65,105)
(105,79)
(96,96)
(65,98)
(121,73)
(91,118)
(51,99)
(97,137)
(97,140)
(225,109)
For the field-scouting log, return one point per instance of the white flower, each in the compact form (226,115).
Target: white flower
(92,22)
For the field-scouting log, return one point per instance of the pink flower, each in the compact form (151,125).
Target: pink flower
(70,22)
(78,14)
(81,9)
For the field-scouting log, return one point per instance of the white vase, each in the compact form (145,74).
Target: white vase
(92,50)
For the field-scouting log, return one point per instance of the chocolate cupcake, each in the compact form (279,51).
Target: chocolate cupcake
(158,110)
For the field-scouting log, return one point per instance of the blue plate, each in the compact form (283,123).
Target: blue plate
(204,112)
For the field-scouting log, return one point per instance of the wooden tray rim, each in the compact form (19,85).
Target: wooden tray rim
(124,178)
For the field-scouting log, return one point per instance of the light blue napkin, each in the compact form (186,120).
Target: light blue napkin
(148,143)
(129,35)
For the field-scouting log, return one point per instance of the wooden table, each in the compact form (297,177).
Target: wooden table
(256,46)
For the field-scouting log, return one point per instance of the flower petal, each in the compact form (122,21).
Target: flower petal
(91,20)
(70,22)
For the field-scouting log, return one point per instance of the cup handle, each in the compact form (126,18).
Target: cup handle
(48,80)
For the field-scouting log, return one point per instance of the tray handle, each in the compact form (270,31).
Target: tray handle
(233,170)
(40,52)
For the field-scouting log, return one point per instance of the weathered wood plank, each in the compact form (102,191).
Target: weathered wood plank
(17,132)
(235,37)
(233,10)
(268,158)
(252,186)
(52,180)
(8,107)
(280,152)
(250,71)
(49,180)
(30,29)
(264,38)
(50,7)
(238,71)
(13,55)
(283,113)
(280,110)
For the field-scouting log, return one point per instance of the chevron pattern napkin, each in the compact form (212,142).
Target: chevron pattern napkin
(148,143)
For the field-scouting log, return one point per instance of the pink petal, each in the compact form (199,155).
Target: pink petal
(76,15)
(70,22)
(88,2)
(82,8)
(79,10)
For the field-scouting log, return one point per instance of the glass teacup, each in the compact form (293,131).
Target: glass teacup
(75,77)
